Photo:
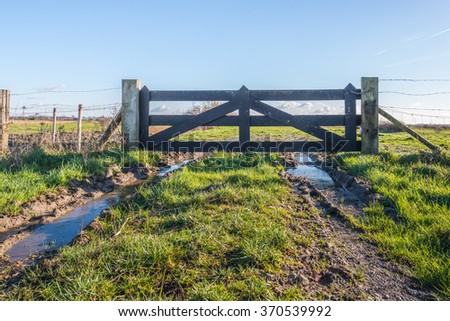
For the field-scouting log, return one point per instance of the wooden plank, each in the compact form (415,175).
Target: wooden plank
(369,115)
(408,130)
(330,94)
(244,114)
(192,95)
(234,146)
(350,115)
(144,110)
(225,95)
(319,120)
(288,120)
(198,120)
(110,129)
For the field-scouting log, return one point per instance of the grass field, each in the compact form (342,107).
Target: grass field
(395,141)
(203,234)
(214,232)
(40,126)
(389,140)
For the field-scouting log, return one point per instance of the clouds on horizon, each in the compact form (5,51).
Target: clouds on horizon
(309,108)
(291,107)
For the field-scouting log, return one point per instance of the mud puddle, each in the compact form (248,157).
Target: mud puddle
(319,183)
(63,230)
(308,170)
(355,268)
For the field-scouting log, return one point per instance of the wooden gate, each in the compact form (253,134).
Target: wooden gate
(244,100)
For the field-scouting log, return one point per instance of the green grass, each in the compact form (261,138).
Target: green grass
(257,133)
(417,185)
(39,126)
(404,143)
(212,232)
(38,172)
(390,140)
(209,232)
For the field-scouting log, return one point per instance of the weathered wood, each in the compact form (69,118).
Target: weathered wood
(408,130)
(288,120)
(199,120)
(192,95)
(318,120)
(350,115)
(225,95)
(110,129)
(4,119)
(144,109)
(369,115)
(54,126)
(289,146)
(130,113)
(330,94)
(79,127)
(244,115)
(244,100)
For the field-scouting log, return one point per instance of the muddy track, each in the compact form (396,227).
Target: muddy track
(48,207)
(339,264)
(354,268)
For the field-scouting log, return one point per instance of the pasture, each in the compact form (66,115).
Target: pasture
(232,227)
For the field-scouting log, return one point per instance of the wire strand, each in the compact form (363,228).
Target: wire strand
(412,94)
(416,108)
(64,91)
(415,80)
(422,115)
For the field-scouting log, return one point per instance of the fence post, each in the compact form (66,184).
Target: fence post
(4,119)
(244,115)
(80,120)
(54,126)
(130,113)
(369,115)
(144,111)
(350,116)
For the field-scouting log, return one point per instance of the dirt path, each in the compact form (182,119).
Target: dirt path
(335,262)
(351,268)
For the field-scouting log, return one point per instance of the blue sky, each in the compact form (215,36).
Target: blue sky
(82,45)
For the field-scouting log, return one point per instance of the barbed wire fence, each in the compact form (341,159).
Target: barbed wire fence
(54,125)
(424,116)
(62,127)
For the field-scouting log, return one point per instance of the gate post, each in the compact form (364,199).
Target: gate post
(244,115)
(350,116)
(4,119)
(130,113)
(144,111)
(369,115)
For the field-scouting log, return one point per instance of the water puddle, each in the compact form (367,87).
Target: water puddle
(64,229)
(308,170)
(169,169)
